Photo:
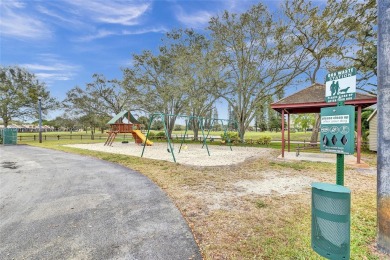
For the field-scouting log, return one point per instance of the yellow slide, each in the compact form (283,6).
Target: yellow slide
(142,137)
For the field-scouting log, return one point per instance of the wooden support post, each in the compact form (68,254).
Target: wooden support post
(283,133)
(288,136)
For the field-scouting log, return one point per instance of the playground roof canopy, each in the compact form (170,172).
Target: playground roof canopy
(123,114)
(312,99)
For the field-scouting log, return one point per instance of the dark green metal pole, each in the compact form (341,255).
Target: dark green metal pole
(340,161)
(147,134)
(185,132)
(167,135)
(340,169)
(200,119)
(208,132)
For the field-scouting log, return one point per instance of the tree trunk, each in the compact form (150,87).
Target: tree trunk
(170,121)
(242,131)
(195,129)
(5,121)
(316,128)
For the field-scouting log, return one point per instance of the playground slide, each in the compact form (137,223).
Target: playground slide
(142,137)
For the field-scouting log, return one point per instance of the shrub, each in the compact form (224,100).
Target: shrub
(250,141)
(160,134)
(230,136)
(178,128)
(264,140)
(151,135)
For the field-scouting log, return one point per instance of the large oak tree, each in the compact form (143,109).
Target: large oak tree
(258,59)
(19,93)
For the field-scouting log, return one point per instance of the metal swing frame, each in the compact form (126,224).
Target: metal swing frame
(169,142)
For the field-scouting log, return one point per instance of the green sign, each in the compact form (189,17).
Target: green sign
(338,130)
(340,85)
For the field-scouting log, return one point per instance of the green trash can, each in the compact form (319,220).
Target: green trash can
(331,220)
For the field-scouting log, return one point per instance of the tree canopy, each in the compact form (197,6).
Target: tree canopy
(19,93)
(257,57)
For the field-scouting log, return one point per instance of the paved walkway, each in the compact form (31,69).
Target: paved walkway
(55,205)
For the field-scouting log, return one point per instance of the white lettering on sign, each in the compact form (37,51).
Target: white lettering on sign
(339,119)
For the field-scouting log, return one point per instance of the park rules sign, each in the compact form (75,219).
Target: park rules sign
(340,85)
(338,130)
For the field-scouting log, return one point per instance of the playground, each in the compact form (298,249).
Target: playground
(187,154)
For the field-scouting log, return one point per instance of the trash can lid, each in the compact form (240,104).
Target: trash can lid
(330,187)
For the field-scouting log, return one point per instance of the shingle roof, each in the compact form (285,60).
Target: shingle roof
(312,99)
(313,94)
(123,114)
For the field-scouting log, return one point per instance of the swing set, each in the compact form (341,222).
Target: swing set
(225,127)
(200,121)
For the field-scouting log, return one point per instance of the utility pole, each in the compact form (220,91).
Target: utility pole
(40,119)
(383,188)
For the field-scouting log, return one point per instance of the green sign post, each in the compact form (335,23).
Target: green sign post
(331,203)
(337,136)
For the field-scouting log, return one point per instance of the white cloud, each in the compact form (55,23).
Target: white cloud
(16,22)
(196,20)
(52,68)
(49,77)
(160,29)
(105,33)
(112,12)
(38,67)
(64,20)
(98,35)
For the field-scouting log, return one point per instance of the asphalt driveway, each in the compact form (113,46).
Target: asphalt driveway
(55,205)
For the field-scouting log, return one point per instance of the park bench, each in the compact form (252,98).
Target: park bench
(310,146)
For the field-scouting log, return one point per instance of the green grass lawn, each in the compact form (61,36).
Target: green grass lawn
(276,136)
(83,137)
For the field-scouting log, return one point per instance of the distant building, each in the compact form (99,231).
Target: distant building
(373,137)
(29,128)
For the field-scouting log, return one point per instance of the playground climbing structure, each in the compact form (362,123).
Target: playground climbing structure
(118,126)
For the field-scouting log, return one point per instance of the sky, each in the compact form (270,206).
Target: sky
(64,42)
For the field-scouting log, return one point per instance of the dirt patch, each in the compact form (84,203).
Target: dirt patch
(276,185)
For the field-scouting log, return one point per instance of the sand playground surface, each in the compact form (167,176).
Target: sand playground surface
(194,155)
(190,154)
